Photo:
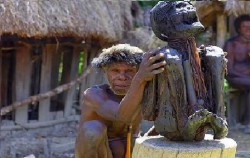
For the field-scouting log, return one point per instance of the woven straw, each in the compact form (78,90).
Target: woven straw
(106,20)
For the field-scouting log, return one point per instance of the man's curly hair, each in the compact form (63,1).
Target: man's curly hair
(239,20)
(118,53)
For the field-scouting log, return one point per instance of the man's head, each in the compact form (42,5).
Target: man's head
(176,19)
(120,63)
(242,25)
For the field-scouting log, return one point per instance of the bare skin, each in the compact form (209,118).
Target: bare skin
(108,109)
(238,57)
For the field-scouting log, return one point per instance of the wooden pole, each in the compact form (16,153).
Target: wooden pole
(48,51)
(35,125)
(70,95)
(22,80)
(1,103)
(232,31)
(128,146)
(221,30)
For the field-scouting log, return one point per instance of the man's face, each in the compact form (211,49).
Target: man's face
(119,76)
(245,29)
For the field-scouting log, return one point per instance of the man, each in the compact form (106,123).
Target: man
(238,49)
(109,109)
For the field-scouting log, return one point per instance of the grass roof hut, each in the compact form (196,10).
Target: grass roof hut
(220,15)
(42,43)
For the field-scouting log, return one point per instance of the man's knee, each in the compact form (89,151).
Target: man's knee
(93,131)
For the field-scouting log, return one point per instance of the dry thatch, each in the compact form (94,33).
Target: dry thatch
(207,11)
(237,7)
(143,38)
(96,19)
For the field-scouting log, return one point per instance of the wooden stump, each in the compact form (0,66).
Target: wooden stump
(160,147)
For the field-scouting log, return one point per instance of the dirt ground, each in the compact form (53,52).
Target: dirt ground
(243,141)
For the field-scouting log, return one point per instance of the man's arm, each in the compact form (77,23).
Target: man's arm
(124,111)
(130,104)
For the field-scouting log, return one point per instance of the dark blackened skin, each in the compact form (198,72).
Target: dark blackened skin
(177,99)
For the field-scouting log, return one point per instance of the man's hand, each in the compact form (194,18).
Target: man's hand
(151,65)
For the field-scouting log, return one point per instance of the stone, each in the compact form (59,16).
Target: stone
(160,147)
(30,156)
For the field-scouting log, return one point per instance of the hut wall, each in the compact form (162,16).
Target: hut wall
(37,68)
(96,76)
(7,78)
(48,51)
(22,81)
(73,73)
(0,80)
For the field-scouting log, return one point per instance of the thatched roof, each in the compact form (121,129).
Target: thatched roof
(207,11)
(97,19)
(237,7)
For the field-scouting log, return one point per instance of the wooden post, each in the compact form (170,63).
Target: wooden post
(70,95)
(56,59)
(84,82)
(5,77)
(96,76)
(1,103)
(232,31)
(221,30)
(23,80)
(45,84)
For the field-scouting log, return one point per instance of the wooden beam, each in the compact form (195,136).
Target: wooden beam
(1,103)
(5,77)
(22,80)
(221,30)
(36,125)
(70,95)
(232,31)
(95,77)
(45,84)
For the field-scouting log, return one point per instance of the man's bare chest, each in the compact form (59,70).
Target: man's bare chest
(241,52)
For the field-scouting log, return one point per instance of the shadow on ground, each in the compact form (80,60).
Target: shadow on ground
(242,139)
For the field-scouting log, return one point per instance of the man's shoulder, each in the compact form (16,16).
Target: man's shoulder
(230,43)
(96,89)
(99,87)
(233,39)
(93,96)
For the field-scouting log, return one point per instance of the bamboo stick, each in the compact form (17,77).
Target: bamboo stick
(128,146)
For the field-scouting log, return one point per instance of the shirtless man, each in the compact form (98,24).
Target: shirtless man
(108,109)
(238,49)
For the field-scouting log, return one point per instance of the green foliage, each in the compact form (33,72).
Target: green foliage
(81,63)
(226,86)
(144,4)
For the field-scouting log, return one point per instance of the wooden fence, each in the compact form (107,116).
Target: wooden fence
(35,68)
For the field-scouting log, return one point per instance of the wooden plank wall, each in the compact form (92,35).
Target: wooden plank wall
(1,80)
(22,80)
(51,58)
(48,51)
(70,95)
